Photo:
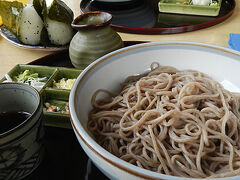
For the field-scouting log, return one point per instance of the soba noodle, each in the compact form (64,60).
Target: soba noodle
(180,123)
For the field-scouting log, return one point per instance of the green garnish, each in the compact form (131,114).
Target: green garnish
(22,77)
(31,79)
(214,3)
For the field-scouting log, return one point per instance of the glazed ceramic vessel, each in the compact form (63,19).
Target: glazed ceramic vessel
(21,146)
(94,38)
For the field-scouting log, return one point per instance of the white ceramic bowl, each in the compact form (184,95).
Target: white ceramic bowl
(110,70)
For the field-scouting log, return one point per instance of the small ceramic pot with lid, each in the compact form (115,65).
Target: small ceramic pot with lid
(94,38)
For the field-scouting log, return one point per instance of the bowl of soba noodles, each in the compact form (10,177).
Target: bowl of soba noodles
(161,110)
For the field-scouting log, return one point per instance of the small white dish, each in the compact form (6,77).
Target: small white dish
(109,71)
(9,36)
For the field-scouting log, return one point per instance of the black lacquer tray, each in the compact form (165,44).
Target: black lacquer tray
(143,17)
(64,158)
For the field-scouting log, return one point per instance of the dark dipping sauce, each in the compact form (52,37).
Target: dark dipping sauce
(9,120)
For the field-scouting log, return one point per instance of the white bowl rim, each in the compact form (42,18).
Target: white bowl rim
(99,150)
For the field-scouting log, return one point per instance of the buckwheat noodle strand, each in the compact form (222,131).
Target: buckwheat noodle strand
(180,123)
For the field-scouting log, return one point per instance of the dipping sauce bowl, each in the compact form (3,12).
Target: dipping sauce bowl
(21,130)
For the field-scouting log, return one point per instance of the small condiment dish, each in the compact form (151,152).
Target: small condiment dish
(55,108)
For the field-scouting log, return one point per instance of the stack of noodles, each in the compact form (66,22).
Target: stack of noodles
(180,123)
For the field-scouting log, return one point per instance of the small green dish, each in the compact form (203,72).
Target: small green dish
(186,7)
(43,71)
(47,92)
(58,98)
(66,73)
(182,19)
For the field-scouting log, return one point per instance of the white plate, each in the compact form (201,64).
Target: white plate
(109,71)
(9,36)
